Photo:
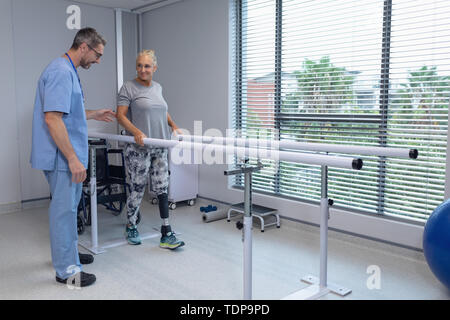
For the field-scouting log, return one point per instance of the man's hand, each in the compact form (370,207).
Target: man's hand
(106,115)
(77,169)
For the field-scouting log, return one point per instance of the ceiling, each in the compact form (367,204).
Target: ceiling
(127,4)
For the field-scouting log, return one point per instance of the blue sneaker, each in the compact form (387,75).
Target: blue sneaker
(169,241)
(132,235)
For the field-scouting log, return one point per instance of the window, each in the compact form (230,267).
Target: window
(365,72)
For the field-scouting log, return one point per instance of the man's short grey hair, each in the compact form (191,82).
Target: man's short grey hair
(90,36)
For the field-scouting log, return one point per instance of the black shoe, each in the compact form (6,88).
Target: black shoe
(86,258)
(81,279)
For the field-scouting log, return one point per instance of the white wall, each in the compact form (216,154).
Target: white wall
(9,161)
(191,42)
(129,44)
(33,33)
(191,39)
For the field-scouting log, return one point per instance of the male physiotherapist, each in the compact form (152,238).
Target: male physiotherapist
(60,149)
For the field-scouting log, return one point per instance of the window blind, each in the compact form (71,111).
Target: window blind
(365,72)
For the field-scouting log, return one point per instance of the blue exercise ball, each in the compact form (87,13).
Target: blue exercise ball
(436,242)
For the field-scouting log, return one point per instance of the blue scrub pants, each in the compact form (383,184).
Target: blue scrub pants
(63,222)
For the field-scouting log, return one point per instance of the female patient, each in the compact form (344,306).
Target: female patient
(142,111)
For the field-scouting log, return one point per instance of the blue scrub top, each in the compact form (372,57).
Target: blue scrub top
(58,90)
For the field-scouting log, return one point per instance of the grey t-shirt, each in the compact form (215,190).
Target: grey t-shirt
(147,109)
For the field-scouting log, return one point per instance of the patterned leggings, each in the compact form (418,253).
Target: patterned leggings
(139,162)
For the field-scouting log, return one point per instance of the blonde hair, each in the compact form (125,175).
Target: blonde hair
(148,53)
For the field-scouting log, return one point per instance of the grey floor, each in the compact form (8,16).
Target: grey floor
(210,265)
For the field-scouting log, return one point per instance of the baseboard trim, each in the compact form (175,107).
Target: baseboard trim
(11,207)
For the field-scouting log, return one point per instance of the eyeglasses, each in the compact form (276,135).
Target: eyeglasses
(99,55)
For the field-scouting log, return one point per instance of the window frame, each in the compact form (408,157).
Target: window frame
(279,116)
